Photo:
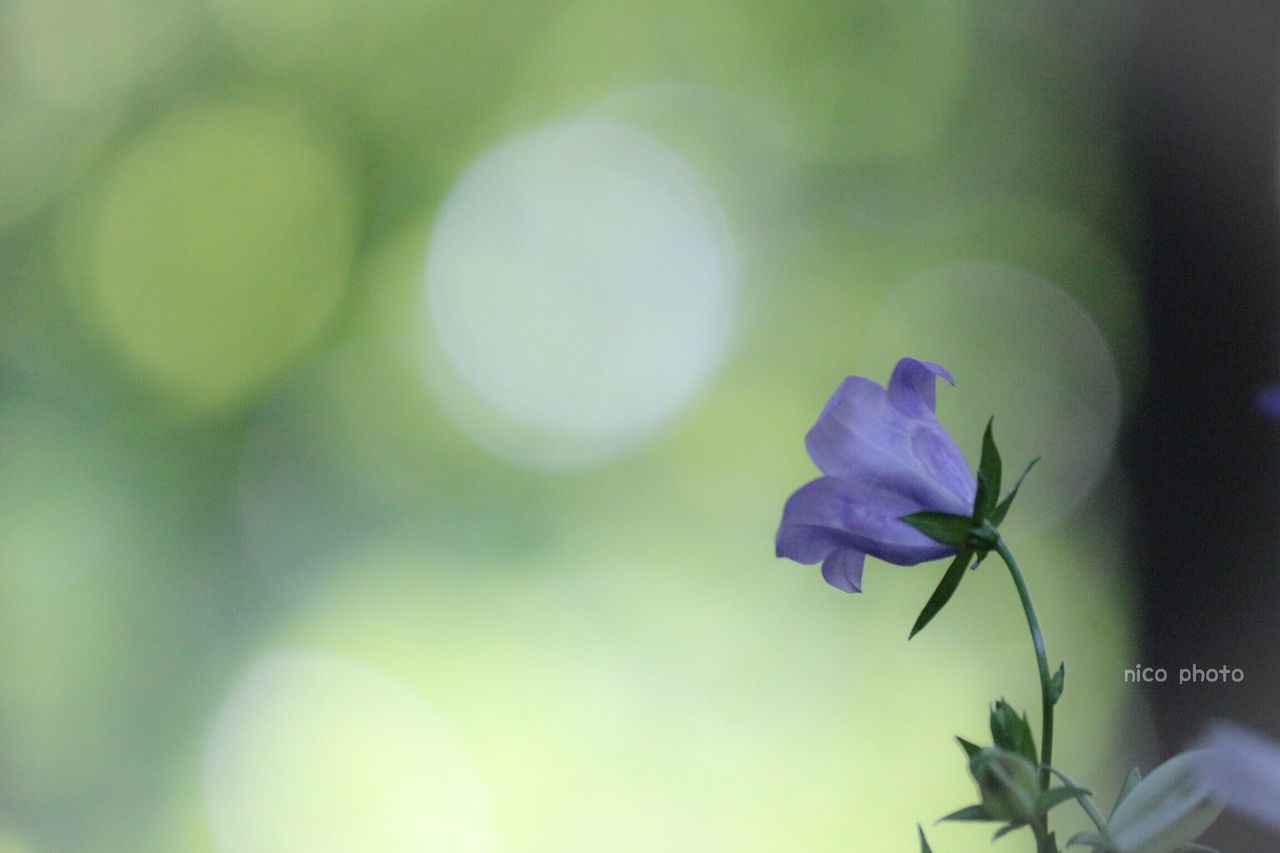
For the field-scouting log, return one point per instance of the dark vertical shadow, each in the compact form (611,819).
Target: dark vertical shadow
(1201,95)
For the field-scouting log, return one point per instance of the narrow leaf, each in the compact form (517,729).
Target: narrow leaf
(989,471)
(1005,830)
(997,515)
(969,813)
(1057,796)
(946,588)
(1057,682)
(941,526)
(1130,782)
(970,749)
(924,842)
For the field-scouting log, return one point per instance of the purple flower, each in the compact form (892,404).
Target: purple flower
(1243,769)
(1267,401)
(884,455)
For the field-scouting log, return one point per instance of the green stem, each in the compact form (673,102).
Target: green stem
(1042,660)
(1086,803)
(1046,841)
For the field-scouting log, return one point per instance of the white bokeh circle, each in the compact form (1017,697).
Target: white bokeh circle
(581,285)
(1021,350)
(312,752)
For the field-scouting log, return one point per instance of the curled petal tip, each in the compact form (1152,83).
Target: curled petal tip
(912,385)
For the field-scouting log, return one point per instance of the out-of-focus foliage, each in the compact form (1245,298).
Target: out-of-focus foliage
(355,493)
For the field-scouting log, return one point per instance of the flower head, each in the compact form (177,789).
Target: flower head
(1243,770)
(884,456)
(1162,813)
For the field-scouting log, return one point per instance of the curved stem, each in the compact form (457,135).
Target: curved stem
(1042,660)
(1086,803)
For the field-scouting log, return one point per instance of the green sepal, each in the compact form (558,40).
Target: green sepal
(969,813)
(970,749)
(924,842)
(941,526)
(1011,732)
(989,471)
(1130,782)
(1057,682)
(1058,796)
(945,589)
(998,514)
(1008,784)
(1005,830)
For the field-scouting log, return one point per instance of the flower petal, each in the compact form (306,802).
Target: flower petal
(843,569)
(811,523)
(1243,769)
(912,386)
(830,514)
(861,437)
(945,465)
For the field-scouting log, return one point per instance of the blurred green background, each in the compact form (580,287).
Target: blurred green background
(398,399)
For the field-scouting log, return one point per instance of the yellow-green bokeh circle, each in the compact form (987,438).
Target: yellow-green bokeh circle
(218,247)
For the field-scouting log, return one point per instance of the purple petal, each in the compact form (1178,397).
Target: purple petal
(811,524)
(843,569)
(945,465)
(863,438)
(830,514)
(912,387)
(1243,768)
(1267,401)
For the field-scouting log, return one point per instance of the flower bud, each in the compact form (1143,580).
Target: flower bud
(1007,783)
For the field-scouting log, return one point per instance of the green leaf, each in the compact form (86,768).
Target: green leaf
(969,813)
(946,588)
(1056,683)
(1005,830)
(1130,782)
(989,470)
(1058,796)
(941,526)
(924,842)
(1011,732)
(997,515)
(970,749)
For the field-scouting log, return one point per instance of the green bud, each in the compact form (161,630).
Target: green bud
(1007,783)
(1164,812)
(1012,732)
